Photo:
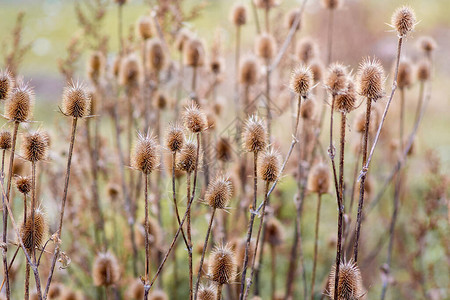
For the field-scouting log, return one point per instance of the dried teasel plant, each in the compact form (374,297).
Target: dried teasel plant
(222,268)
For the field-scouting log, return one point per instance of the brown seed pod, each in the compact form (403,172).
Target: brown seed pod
(96,66)
(183,36)
(161,100)
(194,119)
(18,107)
(23,184)
(405,74)
(76,101)
(254,135)
(371,79)
(265,46)
(319,181)
(121,2)
(336,80)
(269,165)
(194,53)
(69,294)
(423,73)
(345,102)
(248,71)
(403,20)
(40,230)
(331,4)
(266,4)
(316,68)
(238,15)
(144,27)
(274,232)
(426,44)
(188,157)
(301,80)
(239,249)
(155,55)
(360,122)
(154,234)
(135,290)
(350,286)
(130,71)
(308,109)
(158,295)
(35,146)
(145,157)
(106,270)
(5,140)
(6,84)
(290,19)
(207,292)
(219,192)
(223,149)
(55,291)
(116,66)
(306,50)
(175,138)
(222,266)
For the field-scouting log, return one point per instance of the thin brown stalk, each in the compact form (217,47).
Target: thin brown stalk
(188,231)
(316,239)
(266,17)
(179,86)
(5,220)
(27,282)
(174,197)
(273,257)
(330,35)
(255,16)
(194,81)
(147,246)
(268,104)
(219,291)
(119,29)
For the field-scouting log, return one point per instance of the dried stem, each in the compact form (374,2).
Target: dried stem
(188,231)
(147,246)
(174,196)
(330,35)
(5,220)
(273,270)
(255,15)
(316,239)
(219,291)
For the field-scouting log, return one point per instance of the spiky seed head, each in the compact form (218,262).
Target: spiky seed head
(306,50)
(70,294)
(360,122)
(130,71)
(183,36)
(336,80)
(55,291)
(135,290)
(223,149)
(18,107)
(405,74)
(116,66)
(345,102)
(274,232)
(155,55)
(219,192)
(265,46)
(371,79)
(248,71)
(6,84)
(207,292)
(426,44)
(35,146)
(269,165)
(145,157)
(238,15)
(194,119)
(423,73)
(291,17)
(188,157)
(158,295)
(307,110)
(403,20)
(23,184)
(76,101)
(175,138)
(194,53)
(254,135)
(121,2)
(331,4)
(319,180)
(316,68)
(96,66)
(266,4)
(5,140)
(350,286)
(154,233)
(40,229)
(222,266)
(161,100)
(144,27)
(239,249)
(106,270)
(301,80)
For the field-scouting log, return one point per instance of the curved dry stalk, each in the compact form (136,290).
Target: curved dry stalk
(174,197)
(5,220)
(147,248)
(316,239)
(330,35)
(255,16)
(188,231)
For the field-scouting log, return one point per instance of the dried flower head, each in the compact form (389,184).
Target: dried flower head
(175,138)
(154,234)
(35,146)
(70,294)
(183,36)
(145,157)
(116,66)
(155,55)
(405,74)
(219,192)
(319,181)
(6,84)
(144,27)
(331,4)
(291,17)
(316,68)
(18,107)
(158,295)
(403,20)
(238,15)
(5,140)
(194,53)
(248,71)
(266,4)
(269,165)
(371,79)
(76,101)
(274,232)
(423,73)
(40,229)
(222,266)
(55,291)
(207,292)
(345,102)
(106,270)
(223,149)
(135,290)
(301,80)
(121,2)
(336,80)
(265,46)
(426,44)
(360,122)
(194,119)
(96,66)
(306,50)
(254,135)
(350,285)
(188,157)
(23,184)
(130,71)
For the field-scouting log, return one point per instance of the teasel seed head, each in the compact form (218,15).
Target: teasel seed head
(40,229)
(248,71)
(254,135)
(18,107)
(403,20)
(76,101)
(222,266)
(144,27)
(316,68)
(207,292)
(6,84)
(194,119)
(223,149)
(306,50)
(130,71)
(301,80)
(345,102)
(183,36)
(188,157)
(121,2)
(23,184)
(96,66)
(35,146)
(266,4)
(319,180)
(360,122)
(350,286)
(423,73)
(219,192)
(426,44)
(116,66)
(55,291)
(161,100)
(331,4)
(290,19)
(336,80)
(158,295)
(106,270)
(269,165)
(70,294)
(175,138)
(145,157)
(155,55)
(154,234)
(371,79)
(135,290)
(308,109)
(265,46)
(194,53)
(274,232)
(5,140)
(405,74)
(239,15)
